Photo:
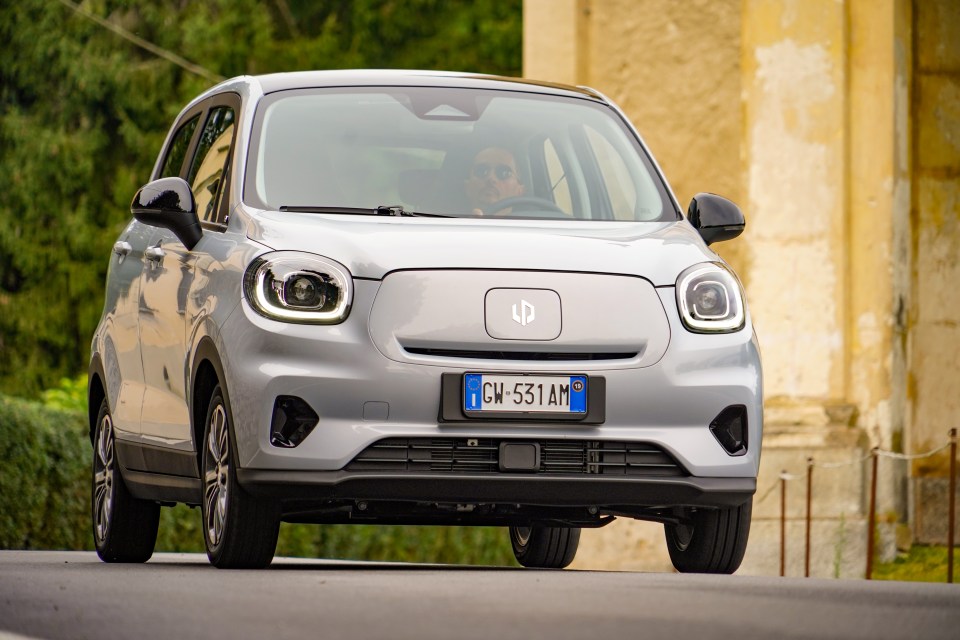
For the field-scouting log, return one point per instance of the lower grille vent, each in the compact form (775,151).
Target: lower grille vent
(557,457)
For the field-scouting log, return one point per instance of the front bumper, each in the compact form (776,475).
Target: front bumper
(363,397)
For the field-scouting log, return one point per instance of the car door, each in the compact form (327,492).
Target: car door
(122,349)
(166,308)
(123,366)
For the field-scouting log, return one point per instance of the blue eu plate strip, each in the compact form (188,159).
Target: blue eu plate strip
(473,398)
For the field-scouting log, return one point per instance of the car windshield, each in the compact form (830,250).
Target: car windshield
(450,151)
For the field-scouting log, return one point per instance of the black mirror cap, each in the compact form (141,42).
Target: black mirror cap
(169,203)
(715,218)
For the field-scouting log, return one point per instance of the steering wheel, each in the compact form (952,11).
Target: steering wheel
(533,202)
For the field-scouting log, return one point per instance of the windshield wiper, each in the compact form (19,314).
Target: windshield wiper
(382,210)
(312,209)
(398,210)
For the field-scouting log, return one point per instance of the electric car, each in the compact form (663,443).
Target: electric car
(421,298)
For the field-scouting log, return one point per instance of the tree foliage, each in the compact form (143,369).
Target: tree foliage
(83,113)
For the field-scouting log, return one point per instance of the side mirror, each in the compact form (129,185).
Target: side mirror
(169,203)
(715,218)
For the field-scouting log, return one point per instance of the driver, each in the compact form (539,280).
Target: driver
(493,177)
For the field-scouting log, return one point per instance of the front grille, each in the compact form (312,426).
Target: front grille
(521,355)
(482,456)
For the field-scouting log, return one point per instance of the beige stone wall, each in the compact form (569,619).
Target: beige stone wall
(934,328)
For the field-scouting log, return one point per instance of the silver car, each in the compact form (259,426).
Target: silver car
(424,298)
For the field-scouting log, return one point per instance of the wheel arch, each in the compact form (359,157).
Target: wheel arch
(96,392)
(207,373)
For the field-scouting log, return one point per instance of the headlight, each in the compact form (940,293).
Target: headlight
(298,287)
(710,299)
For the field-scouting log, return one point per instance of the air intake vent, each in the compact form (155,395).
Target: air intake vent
(481,456)
(730,429)
(293,420)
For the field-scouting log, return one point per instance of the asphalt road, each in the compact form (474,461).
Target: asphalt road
(73,595)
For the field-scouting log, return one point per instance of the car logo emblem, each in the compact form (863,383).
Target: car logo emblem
(526,315)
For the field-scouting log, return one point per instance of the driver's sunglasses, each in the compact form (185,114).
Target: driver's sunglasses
(501,171)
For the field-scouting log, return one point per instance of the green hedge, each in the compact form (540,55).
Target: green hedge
(45,504)
(44,483)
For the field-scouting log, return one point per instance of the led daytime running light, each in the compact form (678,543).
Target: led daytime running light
(717,304)
(269,277)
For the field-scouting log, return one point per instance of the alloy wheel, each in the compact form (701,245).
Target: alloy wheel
(103,478)
(522,535)
(216,468)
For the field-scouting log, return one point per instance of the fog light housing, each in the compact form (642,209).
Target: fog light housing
(293,420)
(730,429)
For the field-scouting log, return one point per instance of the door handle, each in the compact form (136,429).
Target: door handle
(154,254)
(121,248)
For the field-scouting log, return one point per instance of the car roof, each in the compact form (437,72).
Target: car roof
(273,82)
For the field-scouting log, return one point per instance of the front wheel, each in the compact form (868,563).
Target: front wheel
(545,547)
(710,540)
(124,528)
(240,530)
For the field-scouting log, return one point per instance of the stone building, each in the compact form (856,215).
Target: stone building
(835,124)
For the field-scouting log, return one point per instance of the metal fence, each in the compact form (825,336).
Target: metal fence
(873,456)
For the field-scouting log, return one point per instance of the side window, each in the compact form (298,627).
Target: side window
(616,177)
(210,162)
(178,149)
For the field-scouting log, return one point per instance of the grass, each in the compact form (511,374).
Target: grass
(921,564)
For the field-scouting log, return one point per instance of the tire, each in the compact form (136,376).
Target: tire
(240,530)
(544,547)
(124,528)
(714,541)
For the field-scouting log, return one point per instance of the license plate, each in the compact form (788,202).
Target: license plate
(525,394)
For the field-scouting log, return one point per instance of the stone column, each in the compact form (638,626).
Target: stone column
(794,77)
(827,177)
(555,40)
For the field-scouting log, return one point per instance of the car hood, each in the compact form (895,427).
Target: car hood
(371,247)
